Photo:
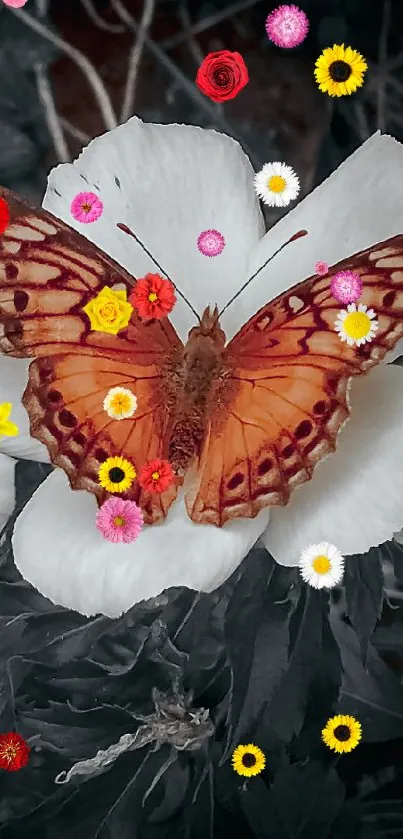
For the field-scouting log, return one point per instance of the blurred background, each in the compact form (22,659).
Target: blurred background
(72,69)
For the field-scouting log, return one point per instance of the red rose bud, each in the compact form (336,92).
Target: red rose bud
(222,75)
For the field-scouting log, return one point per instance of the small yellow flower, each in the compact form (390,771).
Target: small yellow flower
(7,428)
(339,70)
(248,760)
(120,403)
(116,474)
(342,733)
(109,311)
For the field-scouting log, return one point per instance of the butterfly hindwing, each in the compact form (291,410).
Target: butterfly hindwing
(289,373)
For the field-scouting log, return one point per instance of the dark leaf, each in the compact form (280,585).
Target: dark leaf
(307,800)
(364,582)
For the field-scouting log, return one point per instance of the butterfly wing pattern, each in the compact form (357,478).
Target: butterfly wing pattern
(288,373)
(48,273)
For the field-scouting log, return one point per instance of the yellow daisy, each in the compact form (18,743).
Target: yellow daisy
(248,760)
(120,403)
(339,70)
(7,428)
(116,474)
(342,733)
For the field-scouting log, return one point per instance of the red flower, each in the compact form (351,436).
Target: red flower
(4,215)
(153,297)
(222,75)
(156,475)
(14,752)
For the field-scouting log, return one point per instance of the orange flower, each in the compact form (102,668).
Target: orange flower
(156,475)
(153,297)
(14,752)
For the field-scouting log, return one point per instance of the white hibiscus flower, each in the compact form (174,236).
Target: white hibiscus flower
(169,183)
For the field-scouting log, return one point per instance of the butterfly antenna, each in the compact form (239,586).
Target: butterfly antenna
(143,247)
(293,238)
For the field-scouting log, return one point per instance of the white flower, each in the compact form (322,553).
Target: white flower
(120,403)
(322,565)
(356,325)
(354,499)
(276,184)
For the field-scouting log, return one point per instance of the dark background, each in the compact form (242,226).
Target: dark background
(270,658)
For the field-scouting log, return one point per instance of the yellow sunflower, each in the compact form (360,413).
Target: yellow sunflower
(339,70)
(342,733)
(116,474)
(248,760)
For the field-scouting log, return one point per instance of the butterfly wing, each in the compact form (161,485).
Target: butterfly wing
(284,395)
(48,273)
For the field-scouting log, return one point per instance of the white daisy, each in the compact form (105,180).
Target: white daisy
(120,403)
(276,184)
(356,325)
(322,565)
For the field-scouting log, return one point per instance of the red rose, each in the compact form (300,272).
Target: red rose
(222,75)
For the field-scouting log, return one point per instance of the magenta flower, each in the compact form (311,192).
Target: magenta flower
(86,207)
(15,4)
(321,268)
(119,520)
(346,286)
(211,242)
(287,26)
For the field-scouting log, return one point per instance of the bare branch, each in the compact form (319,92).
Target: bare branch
(94,80)
(75,132)
(207,23)
(135,59)
(98,21)
(51,115)
(382,57)
(194,48)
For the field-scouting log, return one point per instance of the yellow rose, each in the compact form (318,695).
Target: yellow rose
(109,311)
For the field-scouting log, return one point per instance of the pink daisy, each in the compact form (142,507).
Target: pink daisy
(211,242)
(15,4)
(321,268)
(346,286)
(287,26)
(119,520)
(86,207)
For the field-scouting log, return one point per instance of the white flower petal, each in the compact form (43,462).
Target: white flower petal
(13,381)
(175,182)
(83,571)
(341,219)
(7,488)
(354,499)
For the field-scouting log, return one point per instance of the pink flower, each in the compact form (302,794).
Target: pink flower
(119,520)
(346,286)
(211,243)
(321,268)
(86,207)
(15,4)
(287,26)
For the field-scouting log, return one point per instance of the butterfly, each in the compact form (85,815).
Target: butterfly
(242,423)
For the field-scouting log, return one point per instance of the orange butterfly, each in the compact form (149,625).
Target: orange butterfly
(243,424)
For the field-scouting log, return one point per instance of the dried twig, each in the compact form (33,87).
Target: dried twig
(135,58)
(94,80)
(75,132)
(98,21)
(194,48)
(46,97)
(207,22)
(382,56)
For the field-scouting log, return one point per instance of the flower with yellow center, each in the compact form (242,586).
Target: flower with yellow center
(342,733)
(321,565)
(339,70)
(248,760)
(116,474)
(276,184)
(109,311)
(356,325)
(120,403)
(7,428)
